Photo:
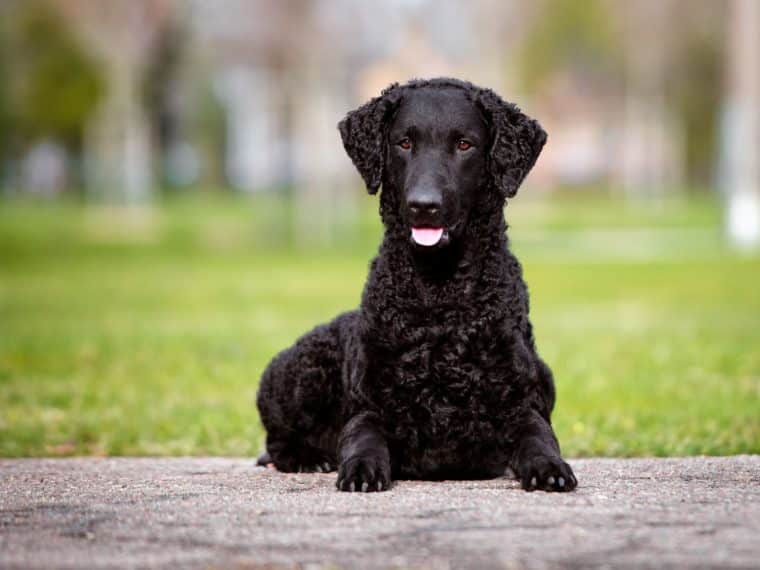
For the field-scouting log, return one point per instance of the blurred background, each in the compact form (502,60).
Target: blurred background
(176,207)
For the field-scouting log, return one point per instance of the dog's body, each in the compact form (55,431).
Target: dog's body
(436,375)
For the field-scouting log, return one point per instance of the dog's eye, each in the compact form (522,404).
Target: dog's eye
(405,143)
(464,144)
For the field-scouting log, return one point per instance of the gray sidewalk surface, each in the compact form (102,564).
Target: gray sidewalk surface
(215,512)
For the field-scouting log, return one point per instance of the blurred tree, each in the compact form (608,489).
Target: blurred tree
(695,84)
(209,129)
(740,152)
(161,90)
(570,35)
(54,84)
(696,92)
(663,58)
(5,116)
(651,140)
(118,143)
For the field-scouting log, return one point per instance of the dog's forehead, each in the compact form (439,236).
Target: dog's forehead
(439,109)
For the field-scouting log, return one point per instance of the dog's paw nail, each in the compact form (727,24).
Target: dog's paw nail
(326,467)
(561,482)
(365,486)
(339,484)
(533,482)
(550,480)
(352,487)
(318,469)
(379,485)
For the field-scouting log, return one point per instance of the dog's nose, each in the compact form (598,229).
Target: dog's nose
(424,200)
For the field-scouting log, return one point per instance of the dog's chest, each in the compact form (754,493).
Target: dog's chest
(447,389)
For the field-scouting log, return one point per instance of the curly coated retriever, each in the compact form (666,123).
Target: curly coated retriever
(436,375)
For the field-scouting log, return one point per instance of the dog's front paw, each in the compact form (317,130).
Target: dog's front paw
(546,473)
(367,474)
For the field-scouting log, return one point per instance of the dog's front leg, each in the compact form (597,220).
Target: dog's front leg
(364,460)
(537,461)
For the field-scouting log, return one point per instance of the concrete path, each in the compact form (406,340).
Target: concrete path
(696,512)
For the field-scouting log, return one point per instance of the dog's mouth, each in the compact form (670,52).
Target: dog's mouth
(429,237)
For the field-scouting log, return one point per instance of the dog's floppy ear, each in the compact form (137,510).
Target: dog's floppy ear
(363,132)
(517,142)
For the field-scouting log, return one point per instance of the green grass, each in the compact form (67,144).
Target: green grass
(127,334)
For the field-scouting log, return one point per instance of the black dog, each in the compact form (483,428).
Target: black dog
(436,374)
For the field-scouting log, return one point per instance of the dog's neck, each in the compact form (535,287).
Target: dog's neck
(439,289)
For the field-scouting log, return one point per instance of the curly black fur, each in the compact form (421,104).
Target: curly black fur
(436,375)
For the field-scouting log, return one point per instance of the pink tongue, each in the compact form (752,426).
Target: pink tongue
(427,236)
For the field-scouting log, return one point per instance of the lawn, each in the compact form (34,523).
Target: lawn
(145,334)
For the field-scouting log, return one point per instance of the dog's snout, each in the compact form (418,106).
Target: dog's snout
(424,200)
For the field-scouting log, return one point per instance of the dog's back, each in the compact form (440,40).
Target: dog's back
(300,398)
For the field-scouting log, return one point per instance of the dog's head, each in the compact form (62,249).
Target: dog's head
(439,148)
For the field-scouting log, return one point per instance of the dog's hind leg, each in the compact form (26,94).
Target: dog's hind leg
(299,401)
(293,456)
